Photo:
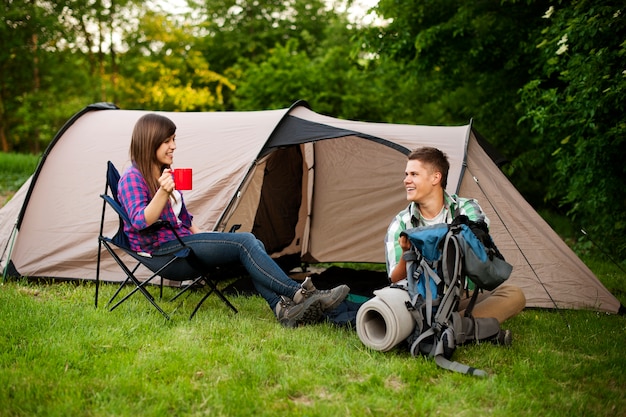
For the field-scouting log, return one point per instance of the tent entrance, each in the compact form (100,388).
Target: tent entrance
(274,201)
(280,199)
(343,181)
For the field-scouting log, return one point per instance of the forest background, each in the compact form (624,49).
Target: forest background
(542,81)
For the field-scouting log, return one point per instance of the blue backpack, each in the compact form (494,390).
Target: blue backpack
(445,260)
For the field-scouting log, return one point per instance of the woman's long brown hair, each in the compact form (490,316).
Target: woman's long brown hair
(149,133)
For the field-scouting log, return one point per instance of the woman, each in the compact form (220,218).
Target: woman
(148,193)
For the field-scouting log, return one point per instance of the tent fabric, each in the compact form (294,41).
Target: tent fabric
(308,185)
(294,131)
(542,261)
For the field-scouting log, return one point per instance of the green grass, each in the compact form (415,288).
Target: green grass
(60,356)
(15,170)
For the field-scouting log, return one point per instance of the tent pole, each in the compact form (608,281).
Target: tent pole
(10,242)
(608,255)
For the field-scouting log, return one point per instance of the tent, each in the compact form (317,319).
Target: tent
(308,185)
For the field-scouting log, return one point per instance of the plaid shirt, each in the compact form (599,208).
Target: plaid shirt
(134,196)
(411,217)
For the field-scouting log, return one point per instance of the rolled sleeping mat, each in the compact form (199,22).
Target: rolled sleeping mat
(384,321)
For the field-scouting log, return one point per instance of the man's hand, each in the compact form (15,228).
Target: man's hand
(404,243)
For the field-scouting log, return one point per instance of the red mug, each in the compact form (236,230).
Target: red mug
(182,178)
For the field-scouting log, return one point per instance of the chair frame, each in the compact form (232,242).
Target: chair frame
(156,264)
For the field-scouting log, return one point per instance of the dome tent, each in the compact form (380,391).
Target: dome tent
(308,185)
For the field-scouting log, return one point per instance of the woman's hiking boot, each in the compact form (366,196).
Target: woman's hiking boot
(292,314)
(309,304)
(329,299)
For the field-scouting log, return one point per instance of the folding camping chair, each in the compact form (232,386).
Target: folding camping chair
(176,266)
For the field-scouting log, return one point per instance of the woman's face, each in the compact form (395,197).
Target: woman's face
(165,151)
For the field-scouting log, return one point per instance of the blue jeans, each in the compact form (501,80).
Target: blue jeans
(214,249)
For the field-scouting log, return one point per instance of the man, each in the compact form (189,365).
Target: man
(425,181)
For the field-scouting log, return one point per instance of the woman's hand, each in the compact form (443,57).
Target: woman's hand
(166,181)
(155,207)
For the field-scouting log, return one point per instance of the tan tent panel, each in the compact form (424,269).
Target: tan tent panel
(310,186)
(545,267)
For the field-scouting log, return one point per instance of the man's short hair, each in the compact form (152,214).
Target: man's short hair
(436,159)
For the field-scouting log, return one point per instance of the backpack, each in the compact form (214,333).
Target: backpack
(444,260)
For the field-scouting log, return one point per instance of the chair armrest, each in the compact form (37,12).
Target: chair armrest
(162,223)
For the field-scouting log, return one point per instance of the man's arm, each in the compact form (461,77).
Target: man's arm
(395,245)
(399,271)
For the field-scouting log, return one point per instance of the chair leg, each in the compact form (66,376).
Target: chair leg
(195,310)
(219,293)
(122,285)
(140,286)
(186,288)
(223,297)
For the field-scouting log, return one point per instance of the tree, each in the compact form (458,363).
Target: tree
(239,33)
(25,31)
(331,76)
(466,63)
(164,69)
(56,57)
(235,29)
(575,104)
(53,61)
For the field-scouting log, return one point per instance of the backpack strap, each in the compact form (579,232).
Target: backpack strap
(416,265)
(453,336)
(472,302)
(452,262)
(458,367)
(429,273)
(441,346)
(415,347)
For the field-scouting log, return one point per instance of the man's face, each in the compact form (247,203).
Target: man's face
(419,180)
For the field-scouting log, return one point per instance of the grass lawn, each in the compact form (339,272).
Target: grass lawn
(59,356)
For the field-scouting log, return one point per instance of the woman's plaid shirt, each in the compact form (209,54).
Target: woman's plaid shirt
(134,196)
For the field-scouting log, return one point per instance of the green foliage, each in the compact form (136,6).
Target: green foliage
(276,82)
(575,107)
(176,78)
(288,75)
(466,63)
(15,169)
(25,30)
(249,30)
(18,164)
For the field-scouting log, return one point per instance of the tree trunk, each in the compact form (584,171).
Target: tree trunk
(36,86)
